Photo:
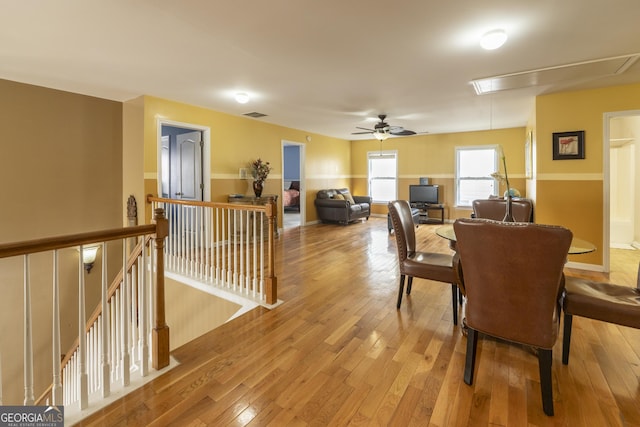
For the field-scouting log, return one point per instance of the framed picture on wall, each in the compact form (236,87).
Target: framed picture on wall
(568,145)
(528,173)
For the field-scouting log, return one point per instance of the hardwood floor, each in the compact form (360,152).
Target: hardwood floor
(337,352)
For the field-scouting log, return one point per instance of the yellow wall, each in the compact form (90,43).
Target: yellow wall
(235,141)
(433,156)
(570,192)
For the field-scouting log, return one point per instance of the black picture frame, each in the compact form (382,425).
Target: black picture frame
(568,145)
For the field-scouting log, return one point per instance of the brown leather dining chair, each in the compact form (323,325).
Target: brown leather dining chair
(521,209)
(413,263)
(513,281)
(600,301)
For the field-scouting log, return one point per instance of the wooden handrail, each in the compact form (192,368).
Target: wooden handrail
(51,243)
(236,206)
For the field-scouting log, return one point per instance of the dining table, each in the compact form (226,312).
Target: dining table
(578,246)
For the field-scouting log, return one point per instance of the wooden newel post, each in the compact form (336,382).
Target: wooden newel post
(160,335)
(271,281)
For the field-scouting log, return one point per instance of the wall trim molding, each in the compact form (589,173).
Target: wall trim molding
(570,177)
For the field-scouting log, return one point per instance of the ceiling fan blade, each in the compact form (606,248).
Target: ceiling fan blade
(403,132)
(361,133)
(367,129)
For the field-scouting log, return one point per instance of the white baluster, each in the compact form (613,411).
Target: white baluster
(125,319)
(117,334)
(261,268)
(28,337)
(105,365)
(133,310)
(82,338)
(144,346)
(1,379)
(56,390)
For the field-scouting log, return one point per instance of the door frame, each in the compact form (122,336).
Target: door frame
(206,153)
(606,179)
(303,209)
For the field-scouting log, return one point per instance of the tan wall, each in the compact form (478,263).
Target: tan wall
(61,165)
(570,192)
(133,157)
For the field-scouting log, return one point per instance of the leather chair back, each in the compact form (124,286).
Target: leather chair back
(521,209)
(513,278)
(400,212)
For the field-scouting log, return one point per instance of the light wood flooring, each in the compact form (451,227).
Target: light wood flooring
(337,353)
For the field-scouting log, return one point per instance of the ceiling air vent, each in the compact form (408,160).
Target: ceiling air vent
(578,71)
(255,115)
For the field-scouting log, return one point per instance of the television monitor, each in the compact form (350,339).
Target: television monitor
(424,194)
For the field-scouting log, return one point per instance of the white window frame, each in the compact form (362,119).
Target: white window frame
(372,155)
(496,166)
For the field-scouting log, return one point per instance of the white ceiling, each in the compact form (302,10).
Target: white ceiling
(321,66)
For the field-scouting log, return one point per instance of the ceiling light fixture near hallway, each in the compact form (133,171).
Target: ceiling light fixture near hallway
(493,39)
(242,97)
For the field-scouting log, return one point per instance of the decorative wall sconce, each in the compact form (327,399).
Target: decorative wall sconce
(89,255)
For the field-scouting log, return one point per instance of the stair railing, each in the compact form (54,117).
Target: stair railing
(132,311)
(228,246)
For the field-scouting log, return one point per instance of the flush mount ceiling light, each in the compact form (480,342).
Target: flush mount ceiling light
(242,97)
(493,39)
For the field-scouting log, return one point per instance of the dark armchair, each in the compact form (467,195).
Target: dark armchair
(338,205)
(513,281)
(521,209)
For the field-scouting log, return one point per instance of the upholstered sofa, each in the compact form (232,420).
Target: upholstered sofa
(338,205)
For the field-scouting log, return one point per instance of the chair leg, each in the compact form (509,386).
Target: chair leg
(409,283)
(454,300)
(469,366)
(544,364)
(401,290)
(566,338)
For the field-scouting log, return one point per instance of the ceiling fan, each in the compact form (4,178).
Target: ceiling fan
(382,130)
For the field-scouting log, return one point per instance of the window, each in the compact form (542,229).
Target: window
(383,175)
(474,166)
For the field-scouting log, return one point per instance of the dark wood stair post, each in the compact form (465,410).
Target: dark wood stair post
(160,336)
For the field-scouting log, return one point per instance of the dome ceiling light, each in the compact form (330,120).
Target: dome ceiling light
(493,39)
(242,97)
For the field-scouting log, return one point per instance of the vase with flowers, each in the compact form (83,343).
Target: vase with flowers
(259,170)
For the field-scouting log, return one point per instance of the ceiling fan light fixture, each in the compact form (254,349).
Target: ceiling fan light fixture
(381,135)
(242,97)
(493,39)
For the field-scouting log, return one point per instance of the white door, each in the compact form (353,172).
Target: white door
(186,167)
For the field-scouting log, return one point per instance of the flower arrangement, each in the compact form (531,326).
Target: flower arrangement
(498,175)
(260,170)
(504,179)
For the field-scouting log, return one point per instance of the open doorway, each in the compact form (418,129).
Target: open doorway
(621,180)
(293,194)
(183,168)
